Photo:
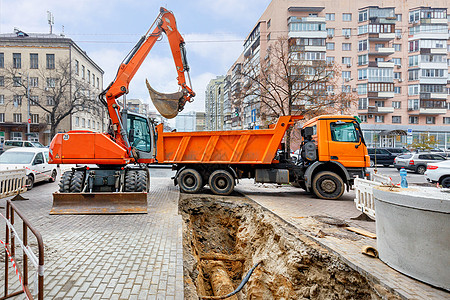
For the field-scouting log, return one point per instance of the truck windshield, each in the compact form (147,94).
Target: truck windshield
(138,129)
(344,132)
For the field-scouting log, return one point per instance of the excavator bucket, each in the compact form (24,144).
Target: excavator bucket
(99,203)
(166,104)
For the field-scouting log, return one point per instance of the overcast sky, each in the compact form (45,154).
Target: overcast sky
(214,31)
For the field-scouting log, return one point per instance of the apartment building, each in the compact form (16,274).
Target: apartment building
(190,121)
(392,55)
(214,106)
(31,67)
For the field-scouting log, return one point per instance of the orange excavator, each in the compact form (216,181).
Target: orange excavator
(120,180)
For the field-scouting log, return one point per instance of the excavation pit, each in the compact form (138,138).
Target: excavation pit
(224,238)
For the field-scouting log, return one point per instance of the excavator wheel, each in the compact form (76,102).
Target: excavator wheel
(141,181)
(136,181)
(76,184)
(130,181)
(64,184)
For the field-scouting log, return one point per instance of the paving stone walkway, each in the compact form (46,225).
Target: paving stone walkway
(108,256)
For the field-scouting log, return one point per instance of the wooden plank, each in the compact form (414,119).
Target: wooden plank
(362,232)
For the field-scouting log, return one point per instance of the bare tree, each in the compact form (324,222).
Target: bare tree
(60,93)
(286,82)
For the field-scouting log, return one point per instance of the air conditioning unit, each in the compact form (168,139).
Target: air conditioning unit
(354,89)
(398,37)
(399,66)
(400,80)
(346,79)
(349,65)
(370,116)
(347,36)
(330,36)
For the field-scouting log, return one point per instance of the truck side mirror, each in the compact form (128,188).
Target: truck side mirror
(307,132)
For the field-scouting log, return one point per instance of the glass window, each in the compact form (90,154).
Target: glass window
(330,46)
(330,32)
(50,61)
(346,17)
(343,132)
(139,133)
(330,17)
(362,16)
(346,32)
(17,61)
(34,61)
(346,60)
(396,119)
(346,46)
(2,60)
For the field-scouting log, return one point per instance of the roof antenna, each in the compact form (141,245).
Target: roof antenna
(62,33)
(51,20)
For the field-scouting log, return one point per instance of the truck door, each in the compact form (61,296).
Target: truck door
(140,135)
(345,144)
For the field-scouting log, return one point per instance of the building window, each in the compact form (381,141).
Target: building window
(89,123)
(17,81)
(330,32)
(330,17)
(35,119)
(330,46)
(269,23)
(446,120)
(398,17)
(17,118)
(413,75)
(431,120)
(346,46)
(413,90)
(362,89)
(83,122)
(346,32)
(34,100)
(77,121)
(16,136)
(379,119)
(2,118)
(396,104)
(2,80)
(363,60)
(2,99)
(51,82)
(50,61)
(34,81)
(77,67)
(397,90)
(17,100)
(413,46)
(330,60)
(379,103)
(398,47)
(83,72)
(346,74)
(34,61)
(413,120)
(363,103)
(50,100)
(2,60)
(98,82)
(396,119)
(363,45)
(347,61)
(397,61)
(362,74)
(17,61)
(89,76)
(397,75)
(346,17)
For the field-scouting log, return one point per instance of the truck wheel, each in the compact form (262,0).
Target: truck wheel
(221,182)
(300,184)
(76,184)
(64,184)
(328,185)
(190,181)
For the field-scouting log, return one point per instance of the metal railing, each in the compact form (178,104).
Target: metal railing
(27,254)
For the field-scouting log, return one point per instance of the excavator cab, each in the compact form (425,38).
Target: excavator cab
(141,135)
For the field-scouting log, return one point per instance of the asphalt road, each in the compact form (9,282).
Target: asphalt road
(392,172)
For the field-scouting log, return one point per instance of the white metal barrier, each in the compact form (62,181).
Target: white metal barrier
(12,182)
(364,196)
(381,178)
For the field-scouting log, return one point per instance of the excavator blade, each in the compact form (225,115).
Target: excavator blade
(99,203)
(166,104)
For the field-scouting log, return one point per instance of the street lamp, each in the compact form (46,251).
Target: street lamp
(28,106)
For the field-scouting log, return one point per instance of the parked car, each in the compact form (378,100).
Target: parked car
(35,162)
(416,162)
(381,156)
(439,172)
(12,144)
(397,151)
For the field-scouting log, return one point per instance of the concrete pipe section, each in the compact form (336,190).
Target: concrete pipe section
(413,232)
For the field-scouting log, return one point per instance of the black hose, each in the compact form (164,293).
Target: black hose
(239,288)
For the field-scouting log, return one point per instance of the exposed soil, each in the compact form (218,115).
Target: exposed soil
(233,234)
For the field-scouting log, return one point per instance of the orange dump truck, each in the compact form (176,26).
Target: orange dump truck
(332,154)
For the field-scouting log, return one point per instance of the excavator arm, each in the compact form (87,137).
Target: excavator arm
(167,104)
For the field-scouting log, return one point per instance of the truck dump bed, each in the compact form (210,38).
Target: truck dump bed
(222,147)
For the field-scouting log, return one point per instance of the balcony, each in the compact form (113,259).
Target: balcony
(381,95)
(432,111)
(380,110)
(381,36)
(433,21)
(384,51)
(308,34)
(440,96)
(384,64)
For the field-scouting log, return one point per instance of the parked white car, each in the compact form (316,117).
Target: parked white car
(33,160)
(439,172)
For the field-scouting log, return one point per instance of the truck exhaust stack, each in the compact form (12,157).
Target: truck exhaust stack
(166,104)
